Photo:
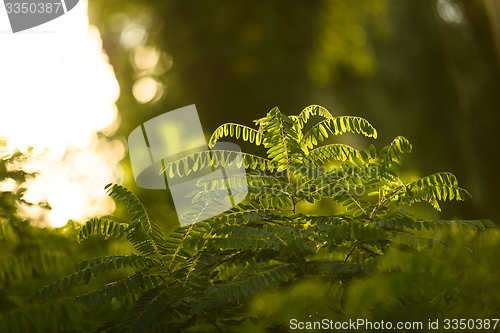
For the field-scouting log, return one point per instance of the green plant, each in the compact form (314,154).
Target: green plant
(207,276)
(32,256)
(21,257)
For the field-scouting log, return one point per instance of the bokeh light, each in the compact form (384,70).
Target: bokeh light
(132,36)
(145,89)
(146,58)
(58,92)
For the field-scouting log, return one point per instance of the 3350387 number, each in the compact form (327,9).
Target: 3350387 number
(470,324)
(41,8)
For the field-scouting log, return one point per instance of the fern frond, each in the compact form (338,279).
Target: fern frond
(146,236)
(148,307)
(249,232)
(215,188)
(107,228)
(351,232)
(325,219)
(178,253)
(281,139)
(243,212)
(339,183)
(416,242)
(279,198)
(403,222)
(352,202)
(336,126)
(241,243)
(312,110)
(30,264)
(198,264)
(334,268)
(236,130)
(239,181)
(465,224)
(89,268)
(336,151)
(270,192)
(249,283)
(437,187)
(134,284)
(49,317)
(116,262)
(262,243)
(200,212)
(175,237)
(215,158)
(390,157)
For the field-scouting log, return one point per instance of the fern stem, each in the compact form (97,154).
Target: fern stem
(386,201)
(329,289)
(357,203)
(170,272)
(285,148)
(184,289)
(346,257)
(350,252)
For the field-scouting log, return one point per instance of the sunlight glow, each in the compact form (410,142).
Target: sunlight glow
(450,12)
(57,90)
(146,57)
(145,89)
(132,36)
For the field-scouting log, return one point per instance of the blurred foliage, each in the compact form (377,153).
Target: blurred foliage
(31,257)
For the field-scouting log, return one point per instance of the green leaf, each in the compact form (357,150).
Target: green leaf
(373,152)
